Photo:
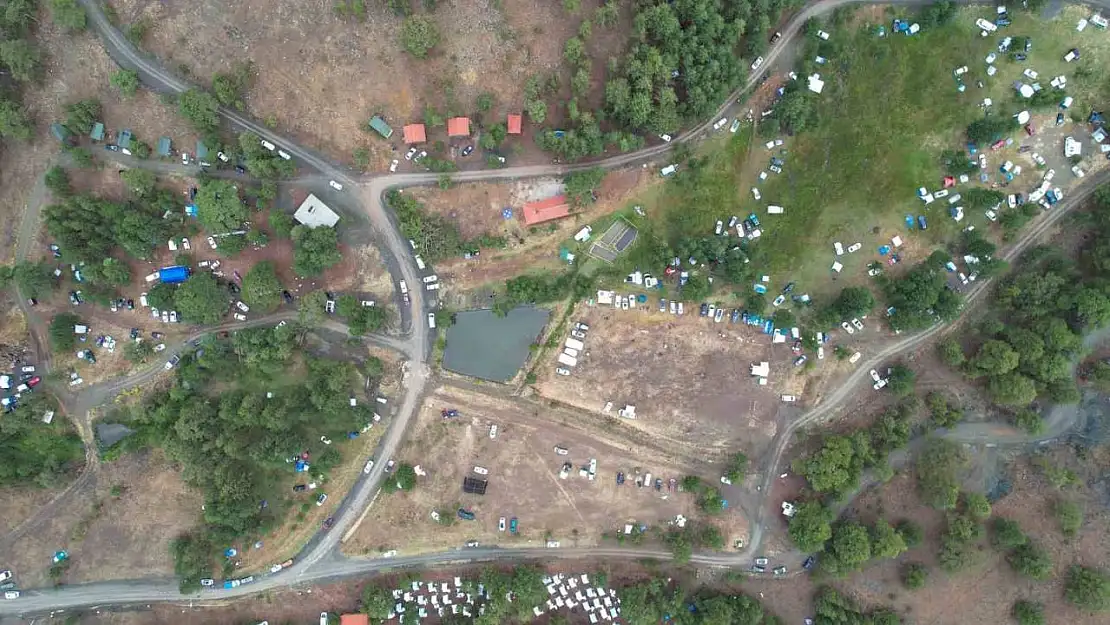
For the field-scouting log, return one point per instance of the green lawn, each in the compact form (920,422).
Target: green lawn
(889,107)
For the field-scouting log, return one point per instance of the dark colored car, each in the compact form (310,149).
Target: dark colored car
(130,304)
(467,150)
(299,488)
(775,37)
(287,296)
(328,522)
(465,514)
(788,288)
(620,478)
(810,561)
(239,169)
(512,525)
(449,413)
(157,335)
(1020,56)
(704,309)
(658,483)
(232,287)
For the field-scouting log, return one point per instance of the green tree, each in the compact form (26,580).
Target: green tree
(853,301)
(62,337)
(994,358)
(261,287)
(978,506)
(419,35)
(230,88)
(126,81)
(21,57)
(201,109)
(68,14)
(484,102)
(192,556)
(361,156)
(1006,534)
(809,527)
(14,123)
(1029,420)
(581,185)
(886,541)
(111,271)
(574,51)
(1031,561)
(911,533)
(1028,613)
(200,299)
(57,180)
(281,224)
(936,473)
(1012,389)
(915,575)
(951,352)
(737,467)
(138,352)
(1070,516)
(851,545)
(901,380)
(943,413)
(139,181)
(1087,588)
(377,602)
(405,477)
(831,469)
(82,115)
(219,208)
(314,250)
(572,6)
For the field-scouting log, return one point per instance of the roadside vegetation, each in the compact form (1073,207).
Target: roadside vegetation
(36,453)
(238,411)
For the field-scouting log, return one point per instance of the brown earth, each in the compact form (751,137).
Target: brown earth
(523,479)
(358,69)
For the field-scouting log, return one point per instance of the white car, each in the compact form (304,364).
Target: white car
(240,317)
(390,554)
(735,126)
(173,316)
(5,576)
(159,347)
(275,568)
(847,328)
(223,157)
(368,466)
(856,322)
(165,316)
(855,247)
(393,165)
(725,480)
(335,185)
(720,123)
(789,399)
(756,194)
(481,470)
(493,431)
(142,300)
(874,375)
(755,64)
(823,35)
(820,353)
(562,451)
(11,594)
(501,524)
(320,501)
(184,158)
(212,242)
(325,440)
(562,371)
(323,618)
(411,153)
(665,137)
(880,384)
(855,358)
(269,146)
(285,155)
(185,245)
(241,306)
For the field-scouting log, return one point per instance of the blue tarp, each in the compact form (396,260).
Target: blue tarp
(884,250)
(191,210)
(759,288)
(910,222)
(301,466)
(768,326)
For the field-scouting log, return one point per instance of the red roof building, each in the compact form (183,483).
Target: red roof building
(414,133)
(515,121)
(546,210)
(354,619)
(458,127)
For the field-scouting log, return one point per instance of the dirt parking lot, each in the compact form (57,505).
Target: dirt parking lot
(523,480)
(687,377)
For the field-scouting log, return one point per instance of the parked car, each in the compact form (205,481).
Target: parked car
(5,576)
(847,328)
(211,242)
(512,525)
(800,360)
(856,322)
(240,317)
(501,524)
(562,371)
(207,581)
(321,499)
(11,594)
(393,165)
(335,185)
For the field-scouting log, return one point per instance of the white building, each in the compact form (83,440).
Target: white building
(313,213)
(1072,147)
(815,84)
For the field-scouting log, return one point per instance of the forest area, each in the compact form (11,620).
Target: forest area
(240,412)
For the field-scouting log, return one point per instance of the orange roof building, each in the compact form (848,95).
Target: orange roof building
(414,133)
(546,210)
(458,127)
(354,619)
(515,121)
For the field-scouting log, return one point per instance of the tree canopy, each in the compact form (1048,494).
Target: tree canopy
(419,35)
(36,453)
(314,250)
(261,287)
(200,299)
(219,208)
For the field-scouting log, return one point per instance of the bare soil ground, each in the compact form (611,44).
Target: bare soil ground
(523,479)
(358,69)
(124,537)
(476,209)
(692,386)
(987,590)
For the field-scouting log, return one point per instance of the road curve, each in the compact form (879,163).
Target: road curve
(320,561)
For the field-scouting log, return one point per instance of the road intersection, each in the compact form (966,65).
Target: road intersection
(320,560)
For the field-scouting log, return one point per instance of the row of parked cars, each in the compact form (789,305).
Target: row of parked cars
(14,385)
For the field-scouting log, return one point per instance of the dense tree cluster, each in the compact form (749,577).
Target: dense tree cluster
(233,441)
(360,319)
(937,468)
(261,162)
(832,608)
(315,250)
(581,186)
(435,237)
(36,453)
(87,228)
(922,296)
(1088,588)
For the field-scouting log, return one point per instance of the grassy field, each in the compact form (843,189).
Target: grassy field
(889,108)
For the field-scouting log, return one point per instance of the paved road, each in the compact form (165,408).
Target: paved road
(320,560)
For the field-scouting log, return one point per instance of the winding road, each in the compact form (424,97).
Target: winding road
(320,560)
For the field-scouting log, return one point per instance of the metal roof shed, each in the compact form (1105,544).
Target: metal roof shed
(163,146)
(378,124)
(202,151)
(97,133)
(314,213)
(125,139)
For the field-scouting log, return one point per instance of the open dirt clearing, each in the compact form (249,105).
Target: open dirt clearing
(688,378)
(357,69)
(123,536)
(523,479)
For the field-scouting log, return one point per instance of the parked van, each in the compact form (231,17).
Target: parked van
(404,287)
(669,170)
(419,262)
(430,279)
(432,320)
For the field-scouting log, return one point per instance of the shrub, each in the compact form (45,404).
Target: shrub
(915,575)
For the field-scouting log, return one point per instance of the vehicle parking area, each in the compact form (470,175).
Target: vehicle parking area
(687,377)
(523,480)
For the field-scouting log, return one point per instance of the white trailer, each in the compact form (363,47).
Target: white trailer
(569,361)
(575,344)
